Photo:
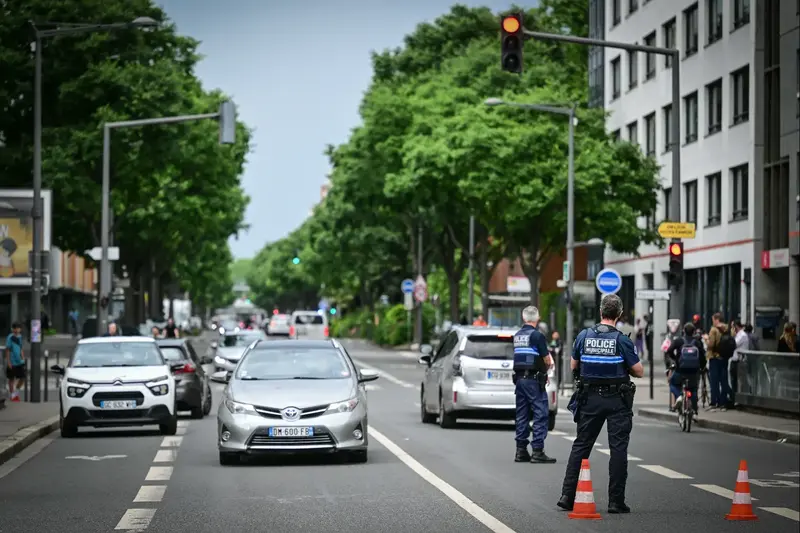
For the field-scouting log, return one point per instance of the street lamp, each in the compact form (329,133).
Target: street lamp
(55,30)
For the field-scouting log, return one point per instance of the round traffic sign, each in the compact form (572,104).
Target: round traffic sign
(407,286)
(608,281)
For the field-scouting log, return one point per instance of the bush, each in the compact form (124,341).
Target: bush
(392,328)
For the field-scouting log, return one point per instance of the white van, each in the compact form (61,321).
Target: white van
(309,325)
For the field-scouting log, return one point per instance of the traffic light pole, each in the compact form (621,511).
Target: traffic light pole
(676,297)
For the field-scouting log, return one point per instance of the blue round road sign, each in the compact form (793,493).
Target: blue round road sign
(608,281)
(407,286)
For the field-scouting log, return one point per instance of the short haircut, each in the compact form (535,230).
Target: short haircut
(610,307)
(688,329)
(717,317)
(530,314)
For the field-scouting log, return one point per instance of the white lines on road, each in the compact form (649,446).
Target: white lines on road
(606,451)
(556,433)
(385,375)
(719,491)
(782,511)
(477,512)
(152,492)
(666,472)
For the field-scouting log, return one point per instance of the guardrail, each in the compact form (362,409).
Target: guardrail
(769,380)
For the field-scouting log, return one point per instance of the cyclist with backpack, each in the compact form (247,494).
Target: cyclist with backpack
(689,358)
(721,347)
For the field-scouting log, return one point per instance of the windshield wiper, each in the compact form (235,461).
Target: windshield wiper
(251,378)
(306,377)
(116,366)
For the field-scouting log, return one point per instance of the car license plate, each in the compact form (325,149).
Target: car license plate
(291,432)
(118,404)
(494,375)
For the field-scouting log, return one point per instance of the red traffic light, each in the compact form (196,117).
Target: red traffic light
(675,249)
(511,24)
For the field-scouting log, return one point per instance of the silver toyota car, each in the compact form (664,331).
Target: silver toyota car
(294,396)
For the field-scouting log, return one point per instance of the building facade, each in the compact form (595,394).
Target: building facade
(722,133)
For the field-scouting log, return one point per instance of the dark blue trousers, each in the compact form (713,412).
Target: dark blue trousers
(531,396)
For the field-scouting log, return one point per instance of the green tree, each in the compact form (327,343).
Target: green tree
(240,269)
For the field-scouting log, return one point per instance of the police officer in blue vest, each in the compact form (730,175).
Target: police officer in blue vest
(531,363)
(603,359)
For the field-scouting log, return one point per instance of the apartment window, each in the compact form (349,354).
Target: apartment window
(633,5)
(650,59)
(633,69)
(776,205)
(714,106)
(669,40)
(740,196)
(740,81)
(690,199)
(650,134)
(741,13)
(615,135)
(714,198)
(667,113)
(690,117)
(714,20)
(633,132)
(616,12)
(690,31)
(667,203)
(615,78)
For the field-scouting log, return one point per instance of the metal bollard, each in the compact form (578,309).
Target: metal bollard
(46,381)
(27,376)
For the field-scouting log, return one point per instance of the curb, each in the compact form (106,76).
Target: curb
(789,437)
(23,438)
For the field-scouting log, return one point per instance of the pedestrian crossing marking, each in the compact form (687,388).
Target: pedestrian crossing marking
(791,514)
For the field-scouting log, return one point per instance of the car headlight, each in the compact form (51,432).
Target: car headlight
(343,407)
(219,360)
(76,392)
(159,390)
(237,408)
(77,382)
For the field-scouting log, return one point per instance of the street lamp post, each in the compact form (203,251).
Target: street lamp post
(471,290)
(37,211)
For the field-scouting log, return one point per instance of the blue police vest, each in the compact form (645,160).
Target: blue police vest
(600,356)
(525,355)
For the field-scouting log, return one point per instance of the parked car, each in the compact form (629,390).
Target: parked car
(311,325)
(294,396)
(469,377)
(192,390)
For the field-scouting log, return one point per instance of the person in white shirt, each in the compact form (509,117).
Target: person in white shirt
(742,343)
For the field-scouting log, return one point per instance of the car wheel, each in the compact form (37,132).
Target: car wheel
(359,456)
(551,422)
(208,403)
(170,427)
(228,458)
(425,416)
(197,412)
(68,430)
(446,421)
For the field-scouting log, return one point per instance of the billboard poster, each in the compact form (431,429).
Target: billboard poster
(16,234)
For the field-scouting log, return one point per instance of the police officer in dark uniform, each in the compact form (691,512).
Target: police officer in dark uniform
(603,359)
(531,363)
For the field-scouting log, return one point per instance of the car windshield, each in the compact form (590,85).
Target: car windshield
(293,363)
(489,347)
(242,339)
(172,353)
(93,355)
(309,319)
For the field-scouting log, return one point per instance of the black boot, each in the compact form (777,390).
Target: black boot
(522,456)
(566,502)
(538,456)
(618,508)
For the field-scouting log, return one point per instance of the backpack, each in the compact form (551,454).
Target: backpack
(727,345)
(689,358)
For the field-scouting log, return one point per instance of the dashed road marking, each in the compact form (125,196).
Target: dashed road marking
(666,472)
(171,442)
(183,423)
(150,493)
(136,519)
(719,491)
(181,431)
(159,473)
(388,377)
(606,451)
(370,387)
(166,456)
(791,514)
(570,438)
(556,433)
(477,512)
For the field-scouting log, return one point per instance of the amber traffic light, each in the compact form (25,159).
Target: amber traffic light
(675,249)
(675,264)
(511,41)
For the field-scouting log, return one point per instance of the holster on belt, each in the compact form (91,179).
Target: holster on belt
(628,392)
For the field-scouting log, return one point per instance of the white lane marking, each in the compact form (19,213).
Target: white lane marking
(784,512)
(556,433)
(606,451)
(181,431)
(96,457)
(570,438)
(184,423)
(136,519)
(492,523)
(166,456)
(370,387)
(666,472)
(150,493)
(23,456)
(719,491)
(390,378)
(159,473)
(171,442)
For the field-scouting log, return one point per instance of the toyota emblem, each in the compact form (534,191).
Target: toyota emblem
(290,413)
(506,365)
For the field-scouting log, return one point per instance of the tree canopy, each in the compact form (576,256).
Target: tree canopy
(176,193)
(428,154)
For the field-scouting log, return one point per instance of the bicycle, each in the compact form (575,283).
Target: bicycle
(704,388)
(685,412)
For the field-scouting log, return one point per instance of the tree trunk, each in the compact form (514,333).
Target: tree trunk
(454,288)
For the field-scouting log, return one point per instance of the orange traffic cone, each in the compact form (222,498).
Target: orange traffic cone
(584,508)
(742,506)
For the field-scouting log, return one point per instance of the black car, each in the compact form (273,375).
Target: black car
(192,391)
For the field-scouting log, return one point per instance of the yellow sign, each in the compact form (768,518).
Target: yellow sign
(677,230)
(16,240)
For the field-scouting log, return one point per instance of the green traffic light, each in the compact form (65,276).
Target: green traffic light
(333,310)
(296,260)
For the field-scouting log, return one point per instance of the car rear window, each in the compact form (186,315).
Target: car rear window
(172,353)
(282,319)
(315,320)
(489,347)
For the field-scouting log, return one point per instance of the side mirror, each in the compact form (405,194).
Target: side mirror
(57,369)
(228,376)
(426,349)
(214,345)
(425,360)
(366,375)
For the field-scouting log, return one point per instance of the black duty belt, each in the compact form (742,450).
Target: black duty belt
(527,374)
(606,387)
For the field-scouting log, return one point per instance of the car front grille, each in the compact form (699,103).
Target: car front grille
(320,438)
(275,413)
(118,395)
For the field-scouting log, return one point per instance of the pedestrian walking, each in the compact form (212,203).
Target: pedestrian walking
(603,359)
(15,361)
(532,360)
(721,347)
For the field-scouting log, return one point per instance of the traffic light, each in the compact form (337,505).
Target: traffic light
(675,264)
(296,258)
(333,310)
(511,41)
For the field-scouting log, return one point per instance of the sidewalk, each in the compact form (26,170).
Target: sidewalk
(23,423)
